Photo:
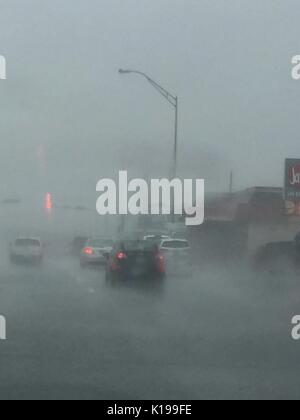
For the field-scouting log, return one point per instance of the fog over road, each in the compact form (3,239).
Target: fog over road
(200,89)
(222,333)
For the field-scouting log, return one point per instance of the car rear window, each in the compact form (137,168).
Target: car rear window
(28,243)
(175,244)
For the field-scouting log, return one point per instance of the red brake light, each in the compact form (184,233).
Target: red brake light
(122,256)
(89,251)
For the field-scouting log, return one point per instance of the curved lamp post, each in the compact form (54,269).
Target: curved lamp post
(173,100)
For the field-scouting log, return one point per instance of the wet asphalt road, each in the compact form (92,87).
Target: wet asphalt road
(219,333)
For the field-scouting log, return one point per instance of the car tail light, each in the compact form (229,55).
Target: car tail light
(89,251)
(122,256)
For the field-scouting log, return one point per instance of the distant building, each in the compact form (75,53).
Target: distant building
(253,205)
(236,224)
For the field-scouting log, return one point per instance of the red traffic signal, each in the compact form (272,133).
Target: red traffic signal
(49,202)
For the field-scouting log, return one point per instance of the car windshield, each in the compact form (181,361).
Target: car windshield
(27,243)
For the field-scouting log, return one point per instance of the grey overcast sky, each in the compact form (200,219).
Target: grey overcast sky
(67,118)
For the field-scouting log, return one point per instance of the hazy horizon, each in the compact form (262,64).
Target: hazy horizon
(68,118)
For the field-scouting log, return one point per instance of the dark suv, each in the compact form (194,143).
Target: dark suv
(135,259)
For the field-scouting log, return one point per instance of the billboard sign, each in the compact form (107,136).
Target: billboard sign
(292,186)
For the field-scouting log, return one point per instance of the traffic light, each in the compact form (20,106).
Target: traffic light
(49,202)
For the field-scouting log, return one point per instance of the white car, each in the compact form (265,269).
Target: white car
(177,254)
(27,250)
(96,251)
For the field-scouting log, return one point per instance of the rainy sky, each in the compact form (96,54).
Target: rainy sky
(67,118)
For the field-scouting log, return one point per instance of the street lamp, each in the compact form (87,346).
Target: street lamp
(173,100)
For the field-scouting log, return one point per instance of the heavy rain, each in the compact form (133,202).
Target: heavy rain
(147,306)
